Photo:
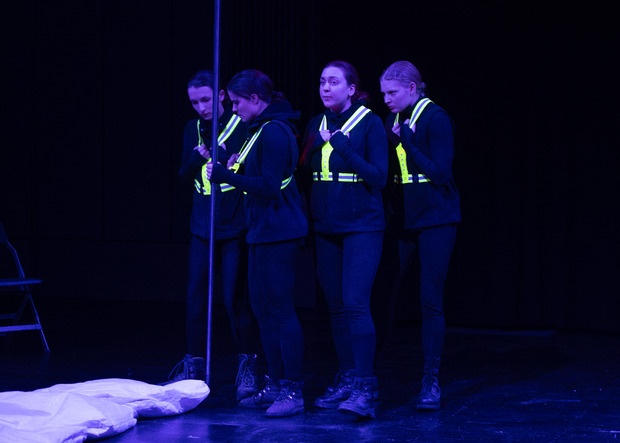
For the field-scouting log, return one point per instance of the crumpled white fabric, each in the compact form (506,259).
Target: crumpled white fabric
(93,409)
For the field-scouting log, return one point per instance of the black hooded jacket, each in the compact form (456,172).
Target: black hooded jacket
(229,220)
(272,213)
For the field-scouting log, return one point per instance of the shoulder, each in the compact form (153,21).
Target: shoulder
(373,122)
(316,120)
(276,129)
(192,124)
(439,117)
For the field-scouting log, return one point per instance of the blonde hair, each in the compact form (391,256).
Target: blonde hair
(405,72)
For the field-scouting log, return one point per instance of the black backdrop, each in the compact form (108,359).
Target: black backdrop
(94,104)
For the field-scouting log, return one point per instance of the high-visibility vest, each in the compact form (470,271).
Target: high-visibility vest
(404,176)
(247,146)
(205,186)
(327,149)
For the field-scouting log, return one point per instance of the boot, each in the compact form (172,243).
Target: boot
(290,401)
(246,382)
(339,392)
(361,401)
(430,393)
(265,397)
(190,368)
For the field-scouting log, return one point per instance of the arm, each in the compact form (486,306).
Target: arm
(438,168)
(374,170)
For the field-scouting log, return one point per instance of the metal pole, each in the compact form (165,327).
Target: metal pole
(214,188)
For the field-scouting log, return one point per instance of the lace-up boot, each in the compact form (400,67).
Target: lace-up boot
(289,402)
(265,397)
(339,392)
(247,384)
(361,401)
(430,393)
(190,368)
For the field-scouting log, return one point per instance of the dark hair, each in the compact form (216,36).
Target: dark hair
(253,81)
(405,72)
(352,78)
(200,79)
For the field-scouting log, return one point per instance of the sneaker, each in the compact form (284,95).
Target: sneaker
(246,382)
(289,402)
(265,397)
(190,368)
(339,392)
(361,401)
(430,394)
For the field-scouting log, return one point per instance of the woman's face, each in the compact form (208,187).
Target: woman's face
(397,95)
(334,90)
(201,99)
(246,108)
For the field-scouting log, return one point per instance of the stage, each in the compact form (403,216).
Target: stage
(497,385)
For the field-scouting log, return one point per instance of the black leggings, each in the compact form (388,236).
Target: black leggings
(272,280)
(229,256)
(430,248)
(346,268)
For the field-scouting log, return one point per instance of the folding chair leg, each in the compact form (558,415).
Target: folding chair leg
(36,316)
(37,325)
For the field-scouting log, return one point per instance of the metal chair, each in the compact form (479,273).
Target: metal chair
(20,284)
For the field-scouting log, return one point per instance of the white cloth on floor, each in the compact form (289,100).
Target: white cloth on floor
(93,409)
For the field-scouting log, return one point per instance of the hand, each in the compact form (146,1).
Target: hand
(396,129)
(223,146)
(202,150)
(338,130)
(412,128)
(231,161)
(209,170)
(325,135)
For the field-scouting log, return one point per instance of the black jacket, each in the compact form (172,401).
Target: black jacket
(229,219)
(272,214)
(430,151)
(347,207)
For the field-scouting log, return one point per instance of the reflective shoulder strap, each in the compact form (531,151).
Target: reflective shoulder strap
(405,177)
(228,130)
(327,149)
(247,146)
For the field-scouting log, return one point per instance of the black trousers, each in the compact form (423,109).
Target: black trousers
(425,255)
(230,268)
(346,268)
(272,281)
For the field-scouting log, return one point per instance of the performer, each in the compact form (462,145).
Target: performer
(230,248)
(276,224)
(345,154)
(424,203)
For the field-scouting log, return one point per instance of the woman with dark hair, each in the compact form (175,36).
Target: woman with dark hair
(276,224)
(230,247)
(425,205)
(345,156)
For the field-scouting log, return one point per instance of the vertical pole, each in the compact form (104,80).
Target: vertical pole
(214,188)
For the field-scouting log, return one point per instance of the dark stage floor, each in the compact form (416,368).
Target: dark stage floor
(538,386)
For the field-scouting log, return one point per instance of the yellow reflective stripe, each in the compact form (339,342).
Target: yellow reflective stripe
(285,182)
(246,149)
(228,130)
(205,180)
(342,177)
(326,152)
(348,177)
(400,151)
(423,178)
(327,149)
(402,161)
